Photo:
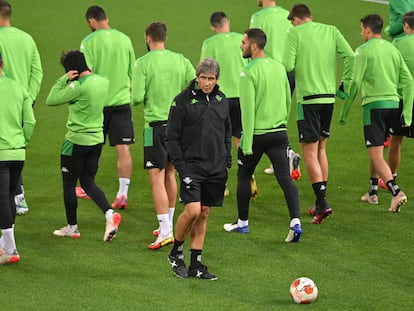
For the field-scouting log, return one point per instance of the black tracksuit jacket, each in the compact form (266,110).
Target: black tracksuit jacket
(198,135)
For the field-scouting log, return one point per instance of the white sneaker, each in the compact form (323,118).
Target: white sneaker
(9,258)
(65,231)
(234,227)
(372,199)
(294,234)
(269,170)
(161,242)
(399,200)
(112,227)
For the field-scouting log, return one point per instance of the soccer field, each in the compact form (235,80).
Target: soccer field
(360,258)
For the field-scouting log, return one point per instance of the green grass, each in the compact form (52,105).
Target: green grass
(360,258)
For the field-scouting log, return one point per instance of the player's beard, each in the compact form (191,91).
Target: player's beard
(247,53)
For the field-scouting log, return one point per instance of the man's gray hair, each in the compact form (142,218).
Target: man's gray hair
(208,65)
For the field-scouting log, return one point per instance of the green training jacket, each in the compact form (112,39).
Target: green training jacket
(225,49)
(157,78)
(21,59)
(264,100)
(397,9)
(273,21)
(110,54)
(85,98)
(16,120)
(311,50)
(379,71)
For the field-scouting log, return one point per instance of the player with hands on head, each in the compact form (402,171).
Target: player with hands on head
(84,92)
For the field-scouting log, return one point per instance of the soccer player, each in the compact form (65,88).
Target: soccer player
(265,104)
(110,53)
(395,30)
(405,45)
(81,149)
(16,127)
(310,50)
(157,78)
(397,9)
(198,141)
(224,47)
(272,19)
(24,66)
(380,99)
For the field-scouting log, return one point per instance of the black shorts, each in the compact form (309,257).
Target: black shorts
(118,125)
(235,117)
(155,150)
(209,190)
(314,121)
(399,130)
(378,122)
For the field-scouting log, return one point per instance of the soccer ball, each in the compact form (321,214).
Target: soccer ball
(303,290)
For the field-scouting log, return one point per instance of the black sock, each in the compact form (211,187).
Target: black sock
(195,257)
(373,186)
(319,189)
(393,187)
(177,248)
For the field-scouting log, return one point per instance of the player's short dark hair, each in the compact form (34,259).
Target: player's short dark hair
(157,31)
(374,22)
(73,60)
(409,19)
(300,11)
(5,9)
(208,65)
(257,36)
(1,58)
(96,12)
(217,19)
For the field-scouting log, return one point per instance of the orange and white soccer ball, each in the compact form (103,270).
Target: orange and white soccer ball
(303,290)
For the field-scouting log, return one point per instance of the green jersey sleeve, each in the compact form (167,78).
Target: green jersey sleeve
(63,92)
(36,74)
(407,85)
(139,80)
(28,118)
(248,94)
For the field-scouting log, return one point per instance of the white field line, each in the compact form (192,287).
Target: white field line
(377,1)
